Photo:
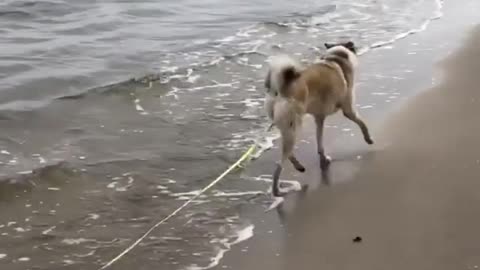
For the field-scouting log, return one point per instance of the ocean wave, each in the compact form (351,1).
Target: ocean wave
(15,14)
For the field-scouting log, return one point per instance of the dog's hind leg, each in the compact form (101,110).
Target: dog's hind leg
(351,114)
(275,184)
(324,159)
(288,142)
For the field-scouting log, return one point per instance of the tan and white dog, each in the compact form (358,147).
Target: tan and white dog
(320,90)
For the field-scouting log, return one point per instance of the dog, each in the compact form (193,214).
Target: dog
(320,89)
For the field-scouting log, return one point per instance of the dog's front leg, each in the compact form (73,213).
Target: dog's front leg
(324,159)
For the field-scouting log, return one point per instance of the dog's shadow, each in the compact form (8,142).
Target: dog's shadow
(333,173)
(325,176)
(343,162)
(298,197)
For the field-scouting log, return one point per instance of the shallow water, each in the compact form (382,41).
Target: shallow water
(90,159)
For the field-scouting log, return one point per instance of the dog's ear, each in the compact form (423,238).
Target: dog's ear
(328,45)
(351,46)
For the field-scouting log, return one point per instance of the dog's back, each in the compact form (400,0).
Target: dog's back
(326,88)
(330,81)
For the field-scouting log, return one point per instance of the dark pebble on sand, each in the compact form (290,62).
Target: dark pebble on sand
(357,239)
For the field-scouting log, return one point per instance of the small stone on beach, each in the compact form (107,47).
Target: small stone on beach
(357,239)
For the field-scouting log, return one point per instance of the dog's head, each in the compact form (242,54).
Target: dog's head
(349,45)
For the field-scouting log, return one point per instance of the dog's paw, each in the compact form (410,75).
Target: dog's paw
(296,164)
(300,168)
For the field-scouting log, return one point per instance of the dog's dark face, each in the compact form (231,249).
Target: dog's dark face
(349,45)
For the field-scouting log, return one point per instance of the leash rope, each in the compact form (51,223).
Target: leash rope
(244,157)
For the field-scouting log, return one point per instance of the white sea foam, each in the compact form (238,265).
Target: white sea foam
(49,230)
(139,107)
(75,241)
(226,244)
(112,184)
(187,194)
(20,229)
(93,216)
(237,194)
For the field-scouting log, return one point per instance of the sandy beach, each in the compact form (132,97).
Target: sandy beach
(413,200)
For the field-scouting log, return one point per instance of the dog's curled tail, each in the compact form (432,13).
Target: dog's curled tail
(283,71)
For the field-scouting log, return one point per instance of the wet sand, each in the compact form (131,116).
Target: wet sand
(414,200)
(416,203)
